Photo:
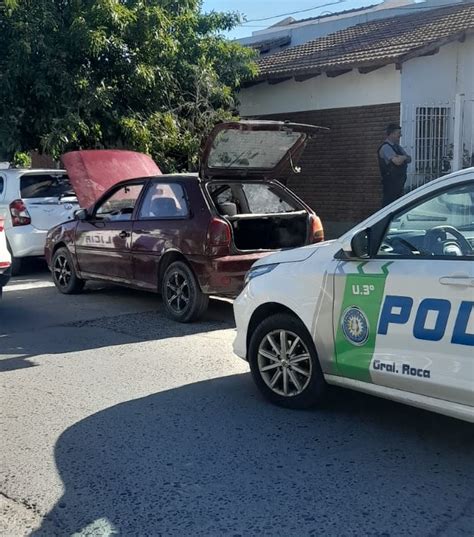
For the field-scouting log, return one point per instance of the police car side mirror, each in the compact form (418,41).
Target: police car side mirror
(81,214)
(360,244)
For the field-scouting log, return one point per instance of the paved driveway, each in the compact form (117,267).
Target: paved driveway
(116,421)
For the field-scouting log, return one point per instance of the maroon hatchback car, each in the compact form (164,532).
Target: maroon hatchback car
(186,236)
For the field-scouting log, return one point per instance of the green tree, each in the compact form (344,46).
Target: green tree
(148,75)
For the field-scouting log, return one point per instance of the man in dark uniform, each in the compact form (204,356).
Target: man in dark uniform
(393,162)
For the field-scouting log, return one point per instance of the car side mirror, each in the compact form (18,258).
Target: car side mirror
(360,244)
(81,214)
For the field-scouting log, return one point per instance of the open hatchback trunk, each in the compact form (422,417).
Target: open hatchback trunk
(263,215)
(271,232)
(240,166)
(257,149)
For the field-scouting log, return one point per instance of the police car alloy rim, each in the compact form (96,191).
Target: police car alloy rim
(284,363)
(62,271)
(177,292)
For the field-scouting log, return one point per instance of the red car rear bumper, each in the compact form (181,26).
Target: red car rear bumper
(224,276)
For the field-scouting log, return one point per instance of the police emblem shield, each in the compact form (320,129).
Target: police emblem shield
(355,325)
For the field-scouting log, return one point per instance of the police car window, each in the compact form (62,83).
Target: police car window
(440,226)
(119,206)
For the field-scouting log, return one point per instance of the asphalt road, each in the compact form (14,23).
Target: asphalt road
(116,421)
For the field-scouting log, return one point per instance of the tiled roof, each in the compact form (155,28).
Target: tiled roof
(371,44)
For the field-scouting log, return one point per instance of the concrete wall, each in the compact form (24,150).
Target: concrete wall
(435,81)
(438,78)
(322,93)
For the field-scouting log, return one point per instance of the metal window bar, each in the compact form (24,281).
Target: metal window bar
(429,137)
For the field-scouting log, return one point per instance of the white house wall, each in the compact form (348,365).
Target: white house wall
(437,79)
(434,81)
(322,93)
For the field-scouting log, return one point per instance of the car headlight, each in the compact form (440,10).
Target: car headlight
(259,271)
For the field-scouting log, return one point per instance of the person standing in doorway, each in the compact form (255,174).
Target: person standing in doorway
(393,163)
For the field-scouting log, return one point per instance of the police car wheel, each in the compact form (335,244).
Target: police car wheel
(64,273)
(284,363)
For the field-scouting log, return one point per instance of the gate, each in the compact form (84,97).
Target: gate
(439,137)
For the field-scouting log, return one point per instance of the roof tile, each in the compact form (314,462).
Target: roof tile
(378,42)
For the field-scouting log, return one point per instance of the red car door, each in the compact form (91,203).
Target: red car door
(160,225)
(103,241)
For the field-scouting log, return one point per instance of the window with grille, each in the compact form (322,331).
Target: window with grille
(431,142)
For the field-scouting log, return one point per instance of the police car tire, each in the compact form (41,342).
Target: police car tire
(198,300)
(75,284)
(316,387)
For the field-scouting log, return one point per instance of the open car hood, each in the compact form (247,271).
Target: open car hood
(94,171)
(254,149)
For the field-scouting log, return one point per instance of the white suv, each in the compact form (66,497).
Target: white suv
(32,202)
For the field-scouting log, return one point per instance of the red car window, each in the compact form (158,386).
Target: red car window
(120,205)
(164,200)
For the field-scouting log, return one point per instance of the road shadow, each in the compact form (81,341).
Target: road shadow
(213,458)
(11,364)
(93,332)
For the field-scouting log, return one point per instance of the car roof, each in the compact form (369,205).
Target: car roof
(458,175)
(32,171)
(191,177)
(186,177)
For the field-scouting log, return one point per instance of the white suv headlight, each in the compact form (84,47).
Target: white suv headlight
(259,271)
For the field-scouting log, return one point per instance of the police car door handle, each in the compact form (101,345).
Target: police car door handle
(460,280)
(124,234)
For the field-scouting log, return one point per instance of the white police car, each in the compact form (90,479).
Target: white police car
(387,309)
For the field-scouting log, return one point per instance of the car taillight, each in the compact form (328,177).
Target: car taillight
(2,224)
(219,235)
(19,213)
(316,231)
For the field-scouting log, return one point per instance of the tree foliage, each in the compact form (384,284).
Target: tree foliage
(148,75)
